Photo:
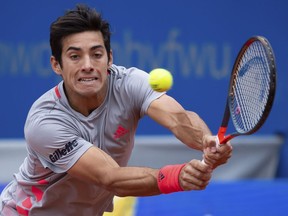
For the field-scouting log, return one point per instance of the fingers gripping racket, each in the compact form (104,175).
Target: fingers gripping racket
(251,90)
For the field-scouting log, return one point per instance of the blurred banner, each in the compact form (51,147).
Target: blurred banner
(196,40)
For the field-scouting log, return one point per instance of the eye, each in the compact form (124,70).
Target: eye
(98,55)
(74,57)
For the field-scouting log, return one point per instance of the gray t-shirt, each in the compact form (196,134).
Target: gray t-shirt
(57,136)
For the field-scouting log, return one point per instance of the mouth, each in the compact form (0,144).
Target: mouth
(85,80)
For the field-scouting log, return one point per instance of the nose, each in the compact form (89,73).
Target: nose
(87,65)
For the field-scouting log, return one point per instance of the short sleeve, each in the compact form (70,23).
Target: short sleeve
(56,142)
(137,84)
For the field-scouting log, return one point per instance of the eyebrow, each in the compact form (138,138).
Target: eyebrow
(78,48)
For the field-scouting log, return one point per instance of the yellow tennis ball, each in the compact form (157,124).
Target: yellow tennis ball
(160,80)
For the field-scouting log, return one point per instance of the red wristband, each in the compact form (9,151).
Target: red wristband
(168,178)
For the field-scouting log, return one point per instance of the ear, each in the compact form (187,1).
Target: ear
(55,65)
(111,59)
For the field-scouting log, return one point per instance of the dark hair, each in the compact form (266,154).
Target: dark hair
(80,19)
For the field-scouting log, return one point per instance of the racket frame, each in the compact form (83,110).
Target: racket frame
(228,109)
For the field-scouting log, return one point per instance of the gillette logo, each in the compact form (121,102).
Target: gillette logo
(59,153)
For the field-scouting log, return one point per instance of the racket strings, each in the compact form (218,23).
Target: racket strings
(251,88)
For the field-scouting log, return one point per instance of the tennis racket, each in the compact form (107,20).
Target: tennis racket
(251,90)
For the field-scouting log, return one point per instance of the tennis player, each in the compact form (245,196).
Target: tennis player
(80,134)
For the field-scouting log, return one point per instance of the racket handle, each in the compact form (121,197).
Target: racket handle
(203,162)
(217,142)
(217,146)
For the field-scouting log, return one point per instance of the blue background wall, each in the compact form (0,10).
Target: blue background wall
(196,40)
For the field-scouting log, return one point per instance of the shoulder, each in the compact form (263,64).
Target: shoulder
(121,72)
(40,125)
(128,78)
(48,119)
(44,134)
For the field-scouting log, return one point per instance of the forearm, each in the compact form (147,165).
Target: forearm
(133,181)
(97,167)
(190,129)
(187,126)
(193,175)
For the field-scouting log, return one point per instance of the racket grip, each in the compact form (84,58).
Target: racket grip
(203,162)
(217,142)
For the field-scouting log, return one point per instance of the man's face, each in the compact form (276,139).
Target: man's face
(84,63)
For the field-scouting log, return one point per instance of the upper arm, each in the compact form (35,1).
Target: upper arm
(94,166)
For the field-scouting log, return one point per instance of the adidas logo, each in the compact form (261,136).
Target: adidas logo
(121,131)
(161,176)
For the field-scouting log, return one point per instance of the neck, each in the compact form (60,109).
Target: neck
(86,105)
